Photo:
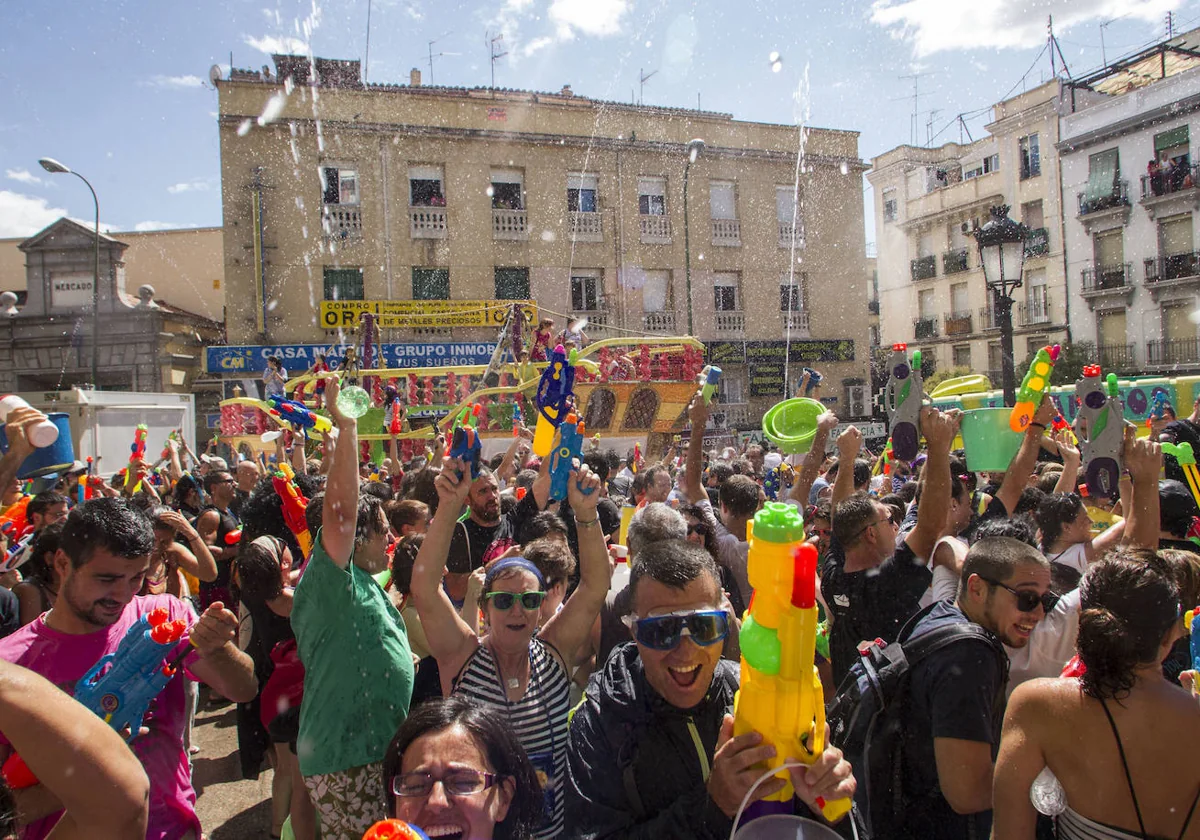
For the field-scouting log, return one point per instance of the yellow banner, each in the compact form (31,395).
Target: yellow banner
(400,314)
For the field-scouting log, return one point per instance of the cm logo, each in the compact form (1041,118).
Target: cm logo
(233,362)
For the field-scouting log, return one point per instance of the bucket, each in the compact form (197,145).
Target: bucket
(55,458)
(989,441)
(792,424)
(784,827)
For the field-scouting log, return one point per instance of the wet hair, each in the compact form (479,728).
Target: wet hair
(862,472)
(403,560)
(653,473)
(112,524)
(47,541)
(552,558)
(1031,497)
(598,464)
(1048,480)
(851,518)
(638,485)
(721,471)
(262,514)
(1184,568)
(525,478)
(9,829)
(1128,602)
(897,504)
(710,536)
(1054,512)
(43,501)
(419,485)
(821,510)
(1176,508)
(366,524)
(258,571)
(908,491)
(314,514)
(997,558)
(674,563)
(379,489)
(654,523)
(542,524)
(739,495)
(1021,528)
(405,512)
(186,484)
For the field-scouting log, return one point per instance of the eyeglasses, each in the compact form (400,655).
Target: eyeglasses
(871,525)
(224,481)
(505,600)
(1027,599)
(820,532)
(665,632)
(461,782)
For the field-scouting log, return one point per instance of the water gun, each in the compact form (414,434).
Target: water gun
(814,380)
(298,416)
(1157,409)
(902,399)
(233,537)
(464,443)
(1191,620)
(564,456)
(518,420)
(637,458)
(709,378)
(1101,413)
(1187,461)
(16,554)
(138,453)
(166,453)
(780,695)
(1033,388)
(554,389)
(394,830)
(395,424)
(293,505)
(14,521)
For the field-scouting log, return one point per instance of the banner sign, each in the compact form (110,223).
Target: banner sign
(766,359)
(401,314)
(299,357)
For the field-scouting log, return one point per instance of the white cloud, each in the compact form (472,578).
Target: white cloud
(25,215)
(272,45)
(195,185)
(933,26)
(174,82)
(143,227)
(536,45)
(591,17)
(23,176)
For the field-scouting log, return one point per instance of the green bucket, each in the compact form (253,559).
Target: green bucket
(988,439)
(792,424)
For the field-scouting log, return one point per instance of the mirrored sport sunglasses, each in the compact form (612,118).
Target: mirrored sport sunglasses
(505,600)
(1027,599)
(664,632)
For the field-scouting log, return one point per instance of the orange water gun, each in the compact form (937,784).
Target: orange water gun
(394,830)
(293,504)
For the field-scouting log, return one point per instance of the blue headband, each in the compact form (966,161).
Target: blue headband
(508,565)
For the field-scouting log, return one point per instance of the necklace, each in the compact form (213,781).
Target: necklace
(513,683)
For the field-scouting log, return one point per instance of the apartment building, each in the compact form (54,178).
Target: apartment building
(928,202)
(437,205)
(1133,196)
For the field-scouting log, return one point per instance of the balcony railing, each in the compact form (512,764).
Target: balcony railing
(598,322)
(1173,351)
(954,261)
(585,227)
(510,224)
(787,231)
(1034,310)
(736,414)
(987,319)
(656,230)
(958,323)
(1119,197)
(1172,267)
(659,322)
(727,232)
(1116,357)
(925,328)
(341,221)
(1037,244)
(427,222)
(795,321)
(1177,180)
(923,268)
(873,307)
(730,322)
(1101,278)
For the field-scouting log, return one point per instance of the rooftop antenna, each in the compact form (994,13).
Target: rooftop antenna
(643,77)
(367,52)
(1052,43)
(433,55)
(492,44)
(962,126)
(1170,25)
(913,120)
(933,112)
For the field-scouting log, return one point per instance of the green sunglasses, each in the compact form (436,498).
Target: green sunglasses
(505,600)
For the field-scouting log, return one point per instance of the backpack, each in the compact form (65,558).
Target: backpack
(868,720)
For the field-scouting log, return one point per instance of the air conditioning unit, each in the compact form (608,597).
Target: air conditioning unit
(966,227)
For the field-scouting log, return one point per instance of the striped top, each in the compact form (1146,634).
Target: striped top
(1072,825)
(539,719)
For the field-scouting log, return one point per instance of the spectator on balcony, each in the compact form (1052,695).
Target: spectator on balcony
(541,340)
(274,377)
(1154,170)
(574,334)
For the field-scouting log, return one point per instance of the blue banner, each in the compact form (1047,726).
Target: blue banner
(297,358)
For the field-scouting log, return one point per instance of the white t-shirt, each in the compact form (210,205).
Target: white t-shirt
(1051,644)
(1074,557)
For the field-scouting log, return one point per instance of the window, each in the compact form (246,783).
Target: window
(785,203)
(1110,249)
(343,283)
(925,305)
(1036,301)
(656,294)
(1104,170)
(925,245)
(507,193)
(1175,235)
(581,193)
(995,361)
(991,163)
(731,390)
(722,201)
(958,299)
(956,236)
(425,186)
(339,186)
(889,206)
(652,196)
(725,293)
(585,291)
(792,293)
(1031,157)
(962,355)
(431,283)
(1176,323)
(512,283)
(1032,215)
(1110,328)
(1172,145)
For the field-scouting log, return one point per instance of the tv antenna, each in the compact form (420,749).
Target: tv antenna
(433,55)
(493,44)
(1052,44)
(644,77)
(962,127)
(914,120)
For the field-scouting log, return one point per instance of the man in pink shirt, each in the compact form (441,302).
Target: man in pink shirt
(102,560)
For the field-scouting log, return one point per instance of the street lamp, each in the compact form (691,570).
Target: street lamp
(695,149)
(1002,254)
(55,168)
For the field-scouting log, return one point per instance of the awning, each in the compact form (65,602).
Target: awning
(1102,174)
(1170,139)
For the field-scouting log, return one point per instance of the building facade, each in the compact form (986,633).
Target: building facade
(447,200)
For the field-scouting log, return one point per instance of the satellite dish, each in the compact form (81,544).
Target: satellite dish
(214,74)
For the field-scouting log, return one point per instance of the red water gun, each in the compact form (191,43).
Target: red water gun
(293,504)
(138,453)
(394,830)
(397,418)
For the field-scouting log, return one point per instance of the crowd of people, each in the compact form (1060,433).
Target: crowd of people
(445,644)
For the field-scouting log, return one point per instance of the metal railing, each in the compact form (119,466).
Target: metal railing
(727,231)
(730,321)
(987,319)
(1100,278)
(339,221)
(924,268)
(796,321)
(958,323)
(736,414)
(955,261)
(585,227)
(1172,267)
(1037,244)
(659,322)
(787,231)
(597,322)
(1173,351)
(1117,357)
(1119,197)
(925,328)
(1165,183)
(510,224)
(427,222)
(656,230)
(873,307)
(1034,310)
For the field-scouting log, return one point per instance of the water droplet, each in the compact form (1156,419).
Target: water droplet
(244,127)
(701,258)
(548,236)
(648,43)
(845,167)
(490,192)
(272,303)
(776,61)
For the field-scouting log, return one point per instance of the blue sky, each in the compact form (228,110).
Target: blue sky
(118,90)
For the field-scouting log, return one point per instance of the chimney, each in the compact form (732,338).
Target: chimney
(414,77)
(566,91)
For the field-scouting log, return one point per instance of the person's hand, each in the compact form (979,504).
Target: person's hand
(173,445)
(175,520)
(525,433)
(939,428)
(698,414)
(1189,681)
(1066,450)
(733,770)
(830,777)
(20,420)
(216,628)
(827,422)
(802,388)
(1143,457)
(453,484)
(849,442)
(332,389)
(583,492)
(476,578)
(1045,413)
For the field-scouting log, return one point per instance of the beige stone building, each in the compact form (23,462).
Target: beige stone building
(336,190)
(928,201)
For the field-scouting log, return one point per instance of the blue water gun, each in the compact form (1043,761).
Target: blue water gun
(298,416)
(1191,620)
(554,390)
(464,443)
(1158,408)
(814,380)
(564,456)
(710,378)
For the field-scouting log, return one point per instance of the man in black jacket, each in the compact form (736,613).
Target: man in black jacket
(652,752)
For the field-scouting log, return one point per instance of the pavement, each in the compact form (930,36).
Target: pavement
(230,808)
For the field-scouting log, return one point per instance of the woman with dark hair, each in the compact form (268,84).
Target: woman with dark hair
(1120,711)
(189,498)
(171,563)
(38,591)
(457,765)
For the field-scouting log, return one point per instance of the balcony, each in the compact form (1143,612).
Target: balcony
(598,322)
(987,319)
(737,415)
(585,227)
(1168,193)
(787,232)
(795,321)
(1099,209)
(924,268)
(1173,267)
(659,322)
(1172,352)
(873,307)
(924,328)
(510,224)
(1117,358)
(727,232)
(958,323)
(341,221)
(965,196)
(656,230)
(1107,281)
(427,222)
(955,261)
(730,322)
(1037,244)
(1035,310)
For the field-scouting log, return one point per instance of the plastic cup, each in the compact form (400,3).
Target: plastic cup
(792,424)
(784,827)
(988,439)
(353,402)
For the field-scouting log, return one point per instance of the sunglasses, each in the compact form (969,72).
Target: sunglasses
(505,600)
(699,528)
(1027,599)
(455,783)
(665,632)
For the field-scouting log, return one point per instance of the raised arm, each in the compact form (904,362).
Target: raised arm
(939,429)
(197,561)
(570,627)
(698,416)
(813,458)
(340,511)
(1068,481)
(1022,463)
(1143,459)
(849,443)
(507,467)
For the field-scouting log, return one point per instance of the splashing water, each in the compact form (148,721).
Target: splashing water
(244,127)
(776,62)
(273,109)
(845,168)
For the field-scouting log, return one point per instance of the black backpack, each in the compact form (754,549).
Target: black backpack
(867,719)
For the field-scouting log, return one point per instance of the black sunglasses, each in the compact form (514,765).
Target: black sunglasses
(698,528)
(1027,599)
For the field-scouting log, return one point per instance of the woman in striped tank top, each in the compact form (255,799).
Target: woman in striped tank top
(516,666)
